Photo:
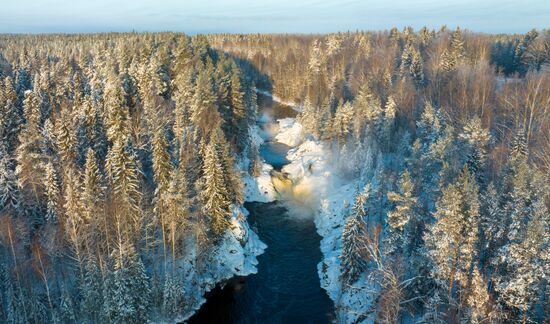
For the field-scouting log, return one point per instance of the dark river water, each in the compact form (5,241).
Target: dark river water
(286,288)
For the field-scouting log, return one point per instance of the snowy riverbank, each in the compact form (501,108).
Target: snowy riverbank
(236,256)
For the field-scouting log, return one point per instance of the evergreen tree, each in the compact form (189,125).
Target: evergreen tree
(238,108)
(353,262)
(126,289)
(519,148)
(9,192)
(29,155)
(526,264)
(173,302)
(204,112)
(52,193)
(492,223)
(477,140)
(123,175)
(91,290)
(417,68)
(216,203)
(399,217)
(457,45)
(452,239)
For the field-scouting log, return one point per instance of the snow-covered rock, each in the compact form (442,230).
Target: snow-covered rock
(260,188)
(290,132)
(236,255)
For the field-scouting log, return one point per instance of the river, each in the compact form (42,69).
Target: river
(286,288)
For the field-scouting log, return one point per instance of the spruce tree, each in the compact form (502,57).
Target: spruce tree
(353,261)
(126,289)
(477,141)
(215,197)
(52,193)
(452,239)
(397,219)
(9,192)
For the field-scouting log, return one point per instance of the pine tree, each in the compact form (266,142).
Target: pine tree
(478,301)
(91,290)
(492,223)
(477,140)
(52,193)
(216,203)
(238,108)
(403,213)
(390,110)
(315,59)
(204,112)
(353,262)
(173,300)
(452,240)
(177,211)
(93,190)
(161,160)
(417,68)
(519,148)
(429,127)
(126,289)
(183,96)
(232,178)
(526,264)
(29,156)
(447,61)
(457,45)
(406,59)
(66,141)
(116,113)
(9,192)
(74,222)
(308,117)
(123,175)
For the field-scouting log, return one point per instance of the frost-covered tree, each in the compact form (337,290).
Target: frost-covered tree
(527,264)
(9,192)
(238,108)
(91,290)
(29,155)
(216,202)
(352,258)
(51,183)
(398,218)
(173,298)
(123,176)
(492,223)
(519,149)
(417,68)
(315,58)
(457,45)
(479,300)
(452,239)
(126,289)
(477,140)
(203,105)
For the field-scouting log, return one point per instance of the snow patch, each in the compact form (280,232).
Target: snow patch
(290,132)
(260,188)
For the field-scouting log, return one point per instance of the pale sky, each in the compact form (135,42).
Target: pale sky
(262,16)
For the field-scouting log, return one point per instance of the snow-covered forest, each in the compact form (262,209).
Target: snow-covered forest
(424,157)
